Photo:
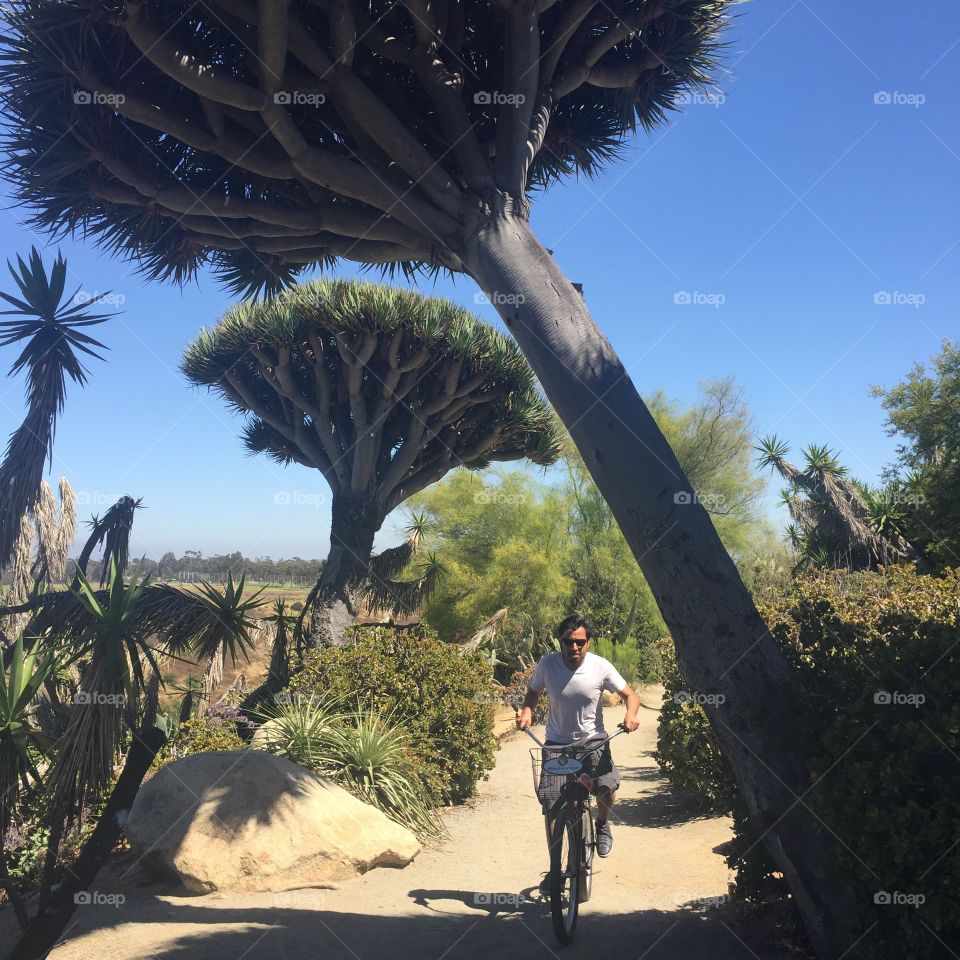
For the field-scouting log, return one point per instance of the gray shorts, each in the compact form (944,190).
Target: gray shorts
(598,765)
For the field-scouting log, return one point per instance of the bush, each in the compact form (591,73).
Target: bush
(516,692)
(216,729)
(445,697)
(877,666)
(687,751)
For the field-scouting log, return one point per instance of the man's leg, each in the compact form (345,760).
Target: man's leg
(605,801)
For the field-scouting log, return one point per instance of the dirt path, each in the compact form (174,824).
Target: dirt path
(649,896)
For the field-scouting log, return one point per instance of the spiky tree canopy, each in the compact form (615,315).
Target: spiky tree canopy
(262,136)
(834,517)
(55,344)
(382,390)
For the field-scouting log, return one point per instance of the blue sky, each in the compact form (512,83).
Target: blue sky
(809,213)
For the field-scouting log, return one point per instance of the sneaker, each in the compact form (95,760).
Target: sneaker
(604,840)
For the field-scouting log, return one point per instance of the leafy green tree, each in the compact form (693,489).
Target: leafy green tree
(712,440)
(263,138)
(503,541)
(383,391)
(924,489)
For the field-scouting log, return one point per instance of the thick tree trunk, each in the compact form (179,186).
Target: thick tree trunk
(45,928)
(353,526)
(722,643)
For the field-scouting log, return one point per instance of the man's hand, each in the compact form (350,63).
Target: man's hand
(633,705)
(524,718)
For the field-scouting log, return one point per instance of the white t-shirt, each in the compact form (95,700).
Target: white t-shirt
(576,705)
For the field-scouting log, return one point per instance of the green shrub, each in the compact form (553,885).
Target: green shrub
(877,664)
(446,698)
(214,730)
(687,751)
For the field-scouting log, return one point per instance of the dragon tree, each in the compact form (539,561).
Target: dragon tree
(261,138)
(383,391)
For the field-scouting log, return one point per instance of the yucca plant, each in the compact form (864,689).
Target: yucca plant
(834,521)
(53,330)
(383,392)
(116,660)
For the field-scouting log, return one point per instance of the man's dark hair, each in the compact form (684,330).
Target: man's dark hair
(568,624)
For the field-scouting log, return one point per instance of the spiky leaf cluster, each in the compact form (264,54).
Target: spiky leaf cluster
(261,138)
(383,390)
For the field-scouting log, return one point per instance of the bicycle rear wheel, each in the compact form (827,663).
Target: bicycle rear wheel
(565,853)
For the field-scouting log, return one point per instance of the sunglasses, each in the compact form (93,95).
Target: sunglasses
(569,641)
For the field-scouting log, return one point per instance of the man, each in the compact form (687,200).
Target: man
(574,681)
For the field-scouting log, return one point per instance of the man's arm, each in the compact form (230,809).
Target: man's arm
(525,717)
(633,705)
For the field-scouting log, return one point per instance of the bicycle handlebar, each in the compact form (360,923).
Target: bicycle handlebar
(620,729)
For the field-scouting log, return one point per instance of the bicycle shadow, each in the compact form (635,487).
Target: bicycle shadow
(491,903)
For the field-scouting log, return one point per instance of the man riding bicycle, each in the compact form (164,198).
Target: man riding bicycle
(574,681)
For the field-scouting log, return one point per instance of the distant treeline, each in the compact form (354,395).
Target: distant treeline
(194,566)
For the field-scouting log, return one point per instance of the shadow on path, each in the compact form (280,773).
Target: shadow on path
(505,931)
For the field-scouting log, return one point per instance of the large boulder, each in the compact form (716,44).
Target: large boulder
(247,820)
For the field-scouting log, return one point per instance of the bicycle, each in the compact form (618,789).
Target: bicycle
(572,840)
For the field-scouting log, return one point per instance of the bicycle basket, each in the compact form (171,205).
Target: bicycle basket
(554,766)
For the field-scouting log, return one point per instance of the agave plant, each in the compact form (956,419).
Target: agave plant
(299,728)
(21,742)
(374,754)
(55,339)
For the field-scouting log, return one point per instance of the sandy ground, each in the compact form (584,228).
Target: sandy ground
(473,897)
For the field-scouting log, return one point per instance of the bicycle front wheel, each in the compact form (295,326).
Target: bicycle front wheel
(588,845)
(565,855)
